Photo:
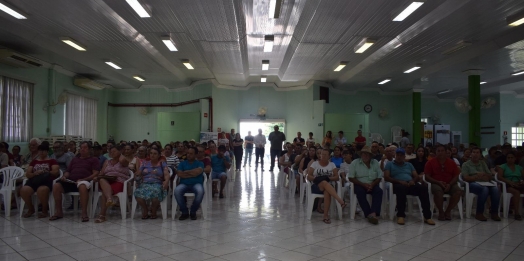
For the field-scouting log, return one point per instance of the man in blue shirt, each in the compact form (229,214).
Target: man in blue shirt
(191,176)
(404,177)
(219,166)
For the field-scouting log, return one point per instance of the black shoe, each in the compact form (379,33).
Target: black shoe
(271,170)
(221,195)
(193,216)
(262,169)
(183,217)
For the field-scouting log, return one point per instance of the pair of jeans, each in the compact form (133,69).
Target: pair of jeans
(247,154)
(376,203)
(182,189)
(417,190)
(482,195)
(259,153)
(238,158)
(274,153)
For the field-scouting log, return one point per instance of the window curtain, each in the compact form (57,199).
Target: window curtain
(81,116)
(16,110)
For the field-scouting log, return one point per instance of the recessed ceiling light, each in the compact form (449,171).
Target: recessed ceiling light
(518,73)
(408,11)
(364,45)
(169,43)
(274,8)
(444,91)
(263,79)
(187,64)
(114,65)
(73,44)
(516,19)
(139,78)
(397,46)
(385,81)
(265,65)
(12,11)
(268,43)
(483,82)
(413,69)
(139,8)
(340,66)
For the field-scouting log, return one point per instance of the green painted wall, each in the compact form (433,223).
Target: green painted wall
(448,115)
(491,117)
(186,126)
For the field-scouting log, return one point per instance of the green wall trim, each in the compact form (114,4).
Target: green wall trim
(417,116)
(474,113)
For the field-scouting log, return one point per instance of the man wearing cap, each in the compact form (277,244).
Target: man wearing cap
(404,177)
(340,140)
(443,173)
(219,166)
(276,138)
(366,175)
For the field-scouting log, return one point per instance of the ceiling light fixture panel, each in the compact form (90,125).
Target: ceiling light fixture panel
(265,65)
(483,82)
(139,78)
(187,64)
(139,8)
(114,65)
(385,81)
(73,43)
(263,79)
(516,19)
(12,11)
(274,8)
(518,73)
(413,69)
(364,45)
(269,41)
(169,43)
(408,11)
(444,91)
(340,66)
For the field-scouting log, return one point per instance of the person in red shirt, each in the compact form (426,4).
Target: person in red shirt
(201,156)
(360,140)
(443,174)
(40,173)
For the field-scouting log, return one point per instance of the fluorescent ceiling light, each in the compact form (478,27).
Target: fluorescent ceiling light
(408,11)
(265,65)
(187,64)
(364,45)
(274,8)
(483,82)
(397,46)
(114,65)
(516,19)
(73,44)
(11,11)
(413,69)
(139,78)
(518,73)
(444,91)
(139,8)
(169,43)
(268,43)
(341,66)
(460,45)
(263,79)
(385,81)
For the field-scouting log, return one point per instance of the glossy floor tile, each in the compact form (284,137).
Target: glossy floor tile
(258,221)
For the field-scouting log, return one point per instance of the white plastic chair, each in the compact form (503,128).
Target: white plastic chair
(353,199)
(432,201)
(163,203)
(203,205)
(281,177)
(506,197)
(310,200)
(393,203)
(75,195)
(11,174)
(293,183)
(470,197)
(302,196)
(34,198)
(122,197)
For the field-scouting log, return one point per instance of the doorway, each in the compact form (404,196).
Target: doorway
(266,126)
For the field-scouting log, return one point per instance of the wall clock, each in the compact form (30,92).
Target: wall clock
(368,108)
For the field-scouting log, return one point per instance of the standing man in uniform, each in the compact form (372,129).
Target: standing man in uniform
(276,138)
(248,145)
(260,144)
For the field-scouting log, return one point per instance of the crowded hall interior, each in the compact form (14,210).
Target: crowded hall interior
(262,130)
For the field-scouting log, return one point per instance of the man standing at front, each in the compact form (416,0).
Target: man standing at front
(276,138)
(248,145)
(443,173)
(260,144)
(191,176)
(360,140)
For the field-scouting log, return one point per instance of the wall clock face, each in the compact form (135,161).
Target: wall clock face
(368,108)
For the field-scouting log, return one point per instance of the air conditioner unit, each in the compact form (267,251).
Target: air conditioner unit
(18,60)
(88,83)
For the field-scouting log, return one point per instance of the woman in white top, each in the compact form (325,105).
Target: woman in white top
(321,173)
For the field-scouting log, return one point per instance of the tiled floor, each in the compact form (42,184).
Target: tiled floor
(259,222)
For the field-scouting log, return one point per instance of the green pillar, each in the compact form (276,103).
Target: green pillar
(474,113)
(417,107)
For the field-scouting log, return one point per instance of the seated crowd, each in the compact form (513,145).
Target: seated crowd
(407,171)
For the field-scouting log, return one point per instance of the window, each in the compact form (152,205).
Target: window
(424,120)
(81,114)
(16,110)
(517,136)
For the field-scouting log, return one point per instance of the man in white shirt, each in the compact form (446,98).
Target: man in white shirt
(260,144)
(340,140)
(409,152)
(389,154)
(223,140)
(310,139)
